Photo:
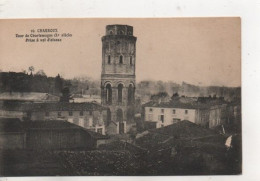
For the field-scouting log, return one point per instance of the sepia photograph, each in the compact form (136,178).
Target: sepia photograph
(120,97)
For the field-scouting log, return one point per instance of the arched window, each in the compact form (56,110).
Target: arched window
(119,115)
(120,93)
(108,59)
(108,94)
(130,114)
(121,32)
(131,94)
(111,32)
(121,59)
(131,60)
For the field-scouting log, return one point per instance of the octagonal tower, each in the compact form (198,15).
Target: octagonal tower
(118,75)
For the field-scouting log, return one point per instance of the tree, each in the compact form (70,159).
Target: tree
(161,96)
(58,84)
(41,73)
(23,71)
(175,95)
(65,95)
(31,69)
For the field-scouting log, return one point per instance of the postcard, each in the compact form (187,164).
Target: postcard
(120,97)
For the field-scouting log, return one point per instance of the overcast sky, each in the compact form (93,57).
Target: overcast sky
(201,51)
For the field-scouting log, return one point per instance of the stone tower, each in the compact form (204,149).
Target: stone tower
(118,76)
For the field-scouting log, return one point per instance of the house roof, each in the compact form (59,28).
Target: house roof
(28,96)
(170,104)
(55,106)
(187,103)
(184,129)
(10,125)
(64,106)
(179,133)
(59,125)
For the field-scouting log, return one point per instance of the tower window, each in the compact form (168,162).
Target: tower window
(131,95)
(121,59)
(131,61)
(108,93)
(120,93)
(121,32)
(108,59)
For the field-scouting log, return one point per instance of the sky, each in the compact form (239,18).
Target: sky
(200,51)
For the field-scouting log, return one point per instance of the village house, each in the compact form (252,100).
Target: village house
(88,115)
(207,114)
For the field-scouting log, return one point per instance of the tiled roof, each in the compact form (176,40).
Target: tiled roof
(57,106)
(63,106)
(15,125)
(58,125)
(10,125)
(181,134)
(171,104)
(185,129)
(184,105)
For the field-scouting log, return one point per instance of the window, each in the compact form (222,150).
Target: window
(108,94)
(100,130)
(70,113)
(111,32)
(162,110)
(173,111)
(120,93)
(108,59)
(119,115)
(186,111)
(131,95)
(90,112)
(47,114)
(59,114)
(131,61)
(121,32)
(81,113)
(161,118)
(121,59)
(151,109)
